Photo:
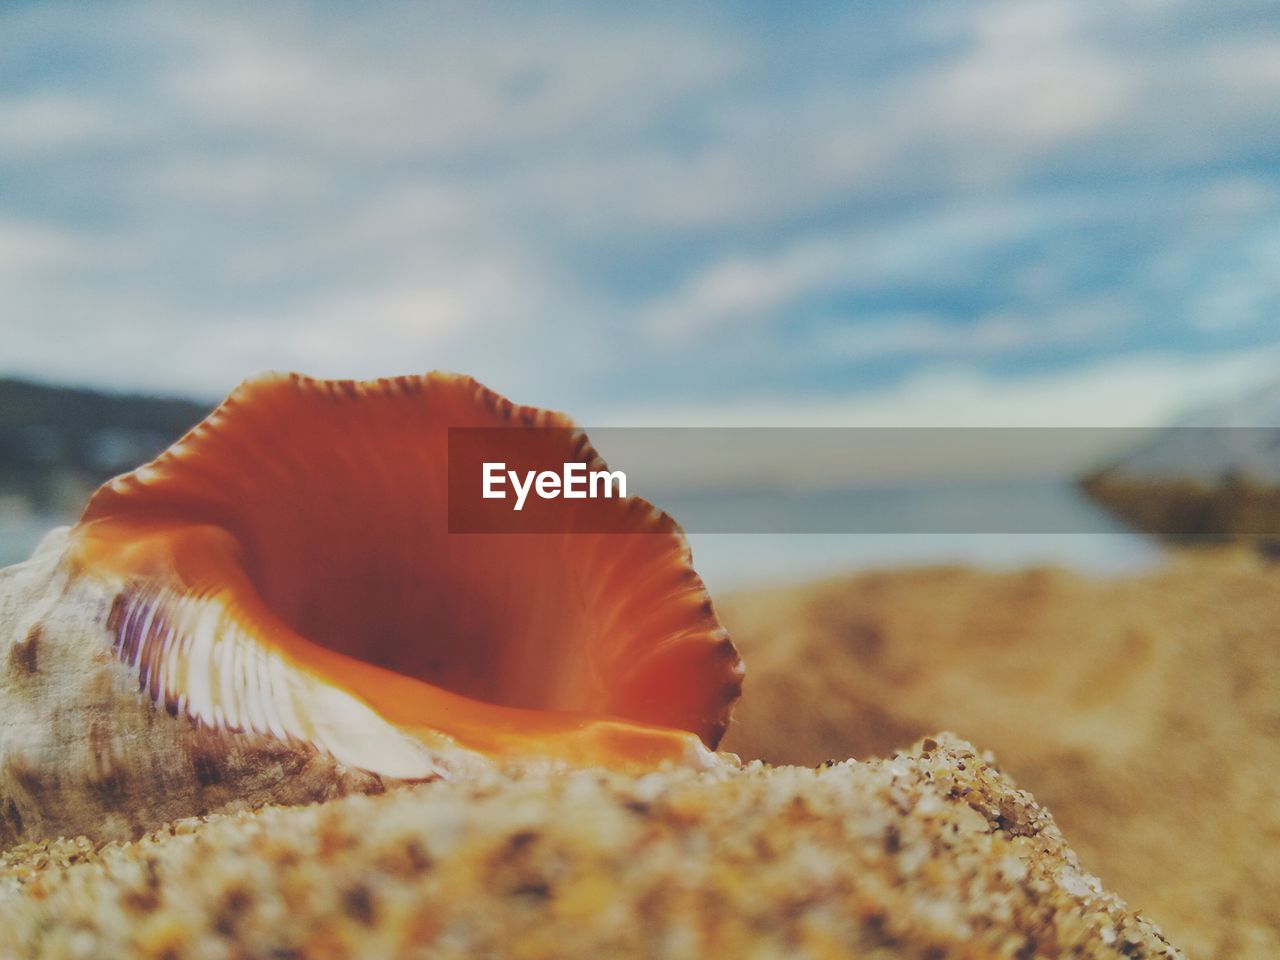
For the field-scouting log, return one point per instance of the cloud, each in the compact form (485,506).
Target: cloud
(43,124)
(743,289)
(950,242)
(592,205)
(31,249)
(406,79)
(992,335)
(1139,390)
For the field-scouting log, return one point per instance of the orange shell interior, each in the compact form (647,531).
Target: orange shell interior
(316,512)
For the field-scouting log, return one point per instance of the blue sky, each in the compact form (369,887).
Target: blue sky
(1026,211)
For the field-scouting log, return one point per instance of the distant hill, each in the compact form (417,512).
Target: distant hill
(58,443)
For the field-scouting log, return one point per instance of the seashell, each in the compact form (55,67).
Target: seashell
(274,610)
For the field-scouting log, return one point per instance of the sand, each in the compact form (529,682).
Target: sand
(930,855)
(1143,711)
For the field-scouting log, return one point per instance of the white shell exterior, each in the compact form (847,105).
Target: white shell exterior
(85,750)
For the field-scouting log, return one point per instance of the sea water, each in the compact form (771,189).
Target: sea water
(20,534)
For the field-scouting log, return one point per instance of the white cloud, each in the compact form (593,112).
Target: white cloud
(208,191)
(478,316)
(744,289)
(1030,78)
(415,79)
(995,335)
(40,125)
(31,250)
(1139,390)
(193,178)
(948,243)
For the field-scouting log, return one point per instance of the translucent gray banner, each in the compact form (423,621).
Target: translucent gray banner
(1191,482)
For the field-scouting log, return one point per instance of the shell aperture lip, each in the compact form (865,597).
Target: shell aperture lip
(287,568)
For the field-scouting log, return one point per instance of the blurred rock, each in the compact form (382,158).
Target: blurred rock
(1213,477)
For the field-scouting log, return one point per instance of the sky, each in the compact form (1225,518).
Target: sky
(1020,211)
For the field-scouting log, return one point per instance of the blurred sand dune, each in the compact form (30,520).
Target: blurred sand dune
(1143,711)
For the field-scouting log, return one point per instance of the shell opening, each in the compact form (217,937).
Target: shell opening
(308,520)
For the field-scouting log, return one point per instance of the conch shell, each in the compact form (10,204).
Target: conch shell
(274,610)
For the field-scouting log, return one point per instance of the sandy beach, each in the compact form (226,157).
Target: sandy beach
(1137,712)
